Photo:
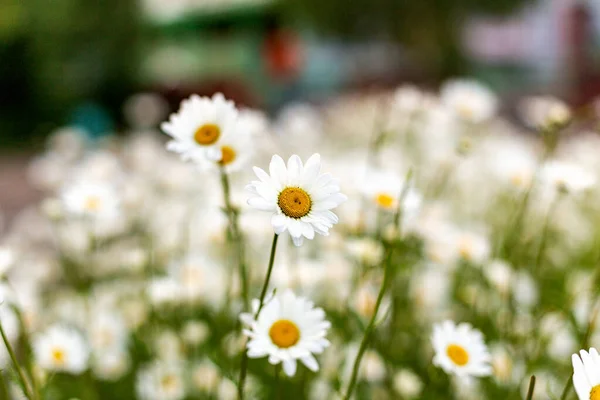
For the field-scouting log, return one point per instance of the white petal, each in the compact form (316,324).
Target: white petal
(310,362)
(279,222)
(294,169)
(289,367)
(278,170)
(261,204)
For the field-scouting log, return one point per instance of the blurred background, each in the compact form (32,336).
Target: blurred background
(78,63)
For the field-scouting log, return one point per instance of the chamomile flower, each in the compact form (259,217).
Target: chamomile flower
(383,190)
(545,112)
(299,196)
(289,328)
(199,125)
(161,381)
(460,350)
(586,374)
(566,177)
(94,200)
(470,100)
(61,349)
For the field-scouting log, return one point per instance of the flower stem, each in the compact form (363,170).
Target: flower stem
(236,237)
(545,231)
(566,390)
(244,363)
(20,373)
(531,388)
(370,327)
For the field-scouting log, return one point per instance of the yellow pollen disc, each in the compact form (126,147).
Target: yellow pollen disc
(294,202)
(384,200)
(458,354)
(466,249)
(227,155)
(595,393)
(92,203)
(58,356)
(284,333)
(207,134)
(168,382)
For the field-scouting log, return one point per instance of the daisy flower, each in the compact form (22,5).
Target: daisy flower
(470,100)
(61,349)
(299,196)
(567,177)
(288,329)
(460,350)
(199,125)
(586,374)
(91,200)
(383,189)
(161,381)
(545,111)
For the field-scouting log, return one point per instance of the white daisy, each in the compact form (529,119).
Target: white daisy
(470,100)
(586,374)
(383,189)
(299,196)
(61,349)
(460,350)
(91,199)
(199,125)
(566,177)
(161,381)
(288,329)
(545,112)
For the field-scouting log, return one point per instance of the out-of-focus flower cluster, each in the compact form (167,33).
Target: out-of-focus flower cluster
(123,283)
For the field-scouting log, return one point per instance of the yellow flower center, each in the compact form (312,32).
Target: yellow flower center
(465,249)
(207,134)
(595,393)
(284,333)
(294,202)
(384,200)
(458,354)
(168,383)
(227,155)
(92,203)
(58,356)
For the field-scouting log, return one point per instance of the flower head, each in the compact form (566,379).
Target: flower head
(161,381)
(289,328)
(470,100)
(299,196)
(62,349)
(586,374)
(460,350)
(91,200)
(199,126)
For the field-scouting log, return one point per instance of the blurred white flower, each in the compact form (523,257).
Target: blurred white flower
(407,384)
(543,112)
(470,100)
(299,196)
(161,381)
(562,176)
(91,199)
(288,329)
(61,348)
(460,350)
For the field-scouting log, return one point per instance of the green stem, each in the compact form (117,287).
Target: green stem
(20,373)
(28,353)
(531,388)
(236,237)
(566,390)
(545,232)
(278,381)
(244,363)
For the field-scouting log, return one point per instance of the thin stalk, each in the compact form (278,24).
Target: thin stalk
(545,232)
(566,390)
(531,388)
(236,237)
(370,327)
(386,279)
(278,381)
(28,353)
(244,363)
(20,373)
